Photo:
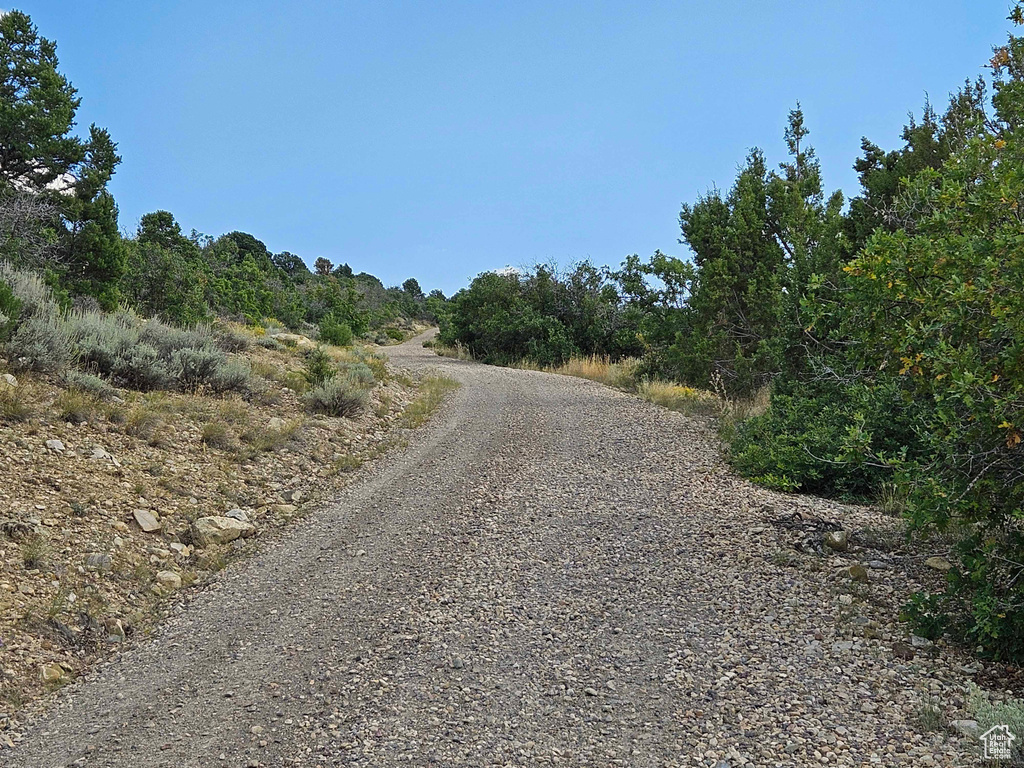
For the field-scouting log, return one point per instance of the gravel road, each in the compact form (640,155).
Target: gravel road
(552,573)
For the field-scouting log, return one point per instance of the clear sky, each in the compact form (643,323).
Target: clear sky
(442,139)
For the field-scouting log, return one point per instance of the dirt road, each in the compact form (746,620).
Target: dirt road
(553,573)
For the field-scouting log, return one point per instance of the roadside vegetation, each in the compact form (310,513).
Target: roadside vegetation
(867,349)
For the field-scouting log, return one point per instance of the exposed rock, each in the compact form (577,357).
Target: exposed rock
(965,727)
(302,342)
(858,573)
(285,510)
(219,530)
(837,541)
(938,563)
(168,580)
(276,423)
(148,521)
(55,445)
(237,514)
(8,380)
(920,642)
(98,561)
(52,673)
(182,550)
(295,496)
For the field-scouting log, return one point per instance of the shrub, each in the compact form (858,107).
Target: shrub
(10,310)
(31,291)
(231,339)
(88,383)
(333,332)
(195,367)
(232,376)
(41,343)
(268,342)
(140,367)
(318,367)
(338,396)
(394,334)
(358,373)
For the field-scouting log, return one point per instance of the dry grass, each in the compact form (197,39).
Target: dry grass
(217,434)
(688,400)
(601,369)
(433,390)
(14,404)
(459,352)
(78,407)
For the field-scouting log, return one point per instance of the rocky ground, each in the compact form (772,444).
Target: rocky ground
(553,573)
(109,505)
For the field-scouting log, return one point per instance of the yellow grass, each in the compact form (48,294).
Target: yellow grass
(676,397)
(601,369)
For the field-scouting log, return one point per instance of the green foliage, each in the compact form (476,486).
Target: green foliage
(394,334)
(319,367)
(333,332)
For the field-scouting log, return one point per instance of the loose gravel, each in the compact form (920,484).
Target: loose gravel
(553,573)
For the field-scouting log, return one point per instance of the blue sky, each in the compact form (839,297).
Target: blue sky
(439,140)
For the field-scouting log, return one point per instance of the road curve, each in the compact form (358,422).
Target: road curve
(552,573)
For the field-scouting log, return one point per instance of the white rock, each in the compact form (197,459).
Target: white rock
(148,521)
(277,423)
(8,380)
(55,445)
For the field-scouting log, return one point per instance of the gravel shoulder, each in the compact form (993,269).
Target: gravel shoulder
(553,572)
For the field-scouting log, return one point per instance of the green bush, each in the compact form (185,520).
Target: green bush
(319,368)
(394,334)
(333,332)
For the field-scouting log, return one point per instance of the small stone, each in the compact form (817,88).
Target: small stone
(148,521)
(293,496)
(837,541)
(276,423)
(52,673)
(8,379)
(591,692)
(256,730)
(878,565)
(285,510)
(917,641)
(55,445)
(181,550)
(458,663)
(98,561)
(237,514)
(939,564)
(868,706)
(859,573)
(168,580)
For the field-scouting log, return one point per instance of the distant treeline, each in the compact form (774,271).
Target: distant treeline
(890,331)
(58,218)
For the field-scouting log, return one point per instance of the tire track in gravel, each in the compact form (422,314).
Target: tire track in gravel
(553,573)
